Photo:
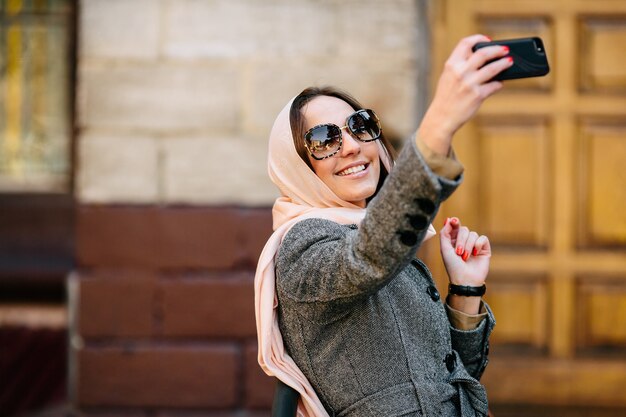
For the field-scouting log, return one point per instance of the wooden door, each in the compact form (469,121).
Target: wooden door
(546,181)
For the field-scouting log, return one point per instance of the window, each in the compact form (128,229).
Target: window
(35,95)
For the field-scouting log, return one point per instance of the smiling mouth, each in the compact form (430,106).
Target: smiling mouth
(352,170)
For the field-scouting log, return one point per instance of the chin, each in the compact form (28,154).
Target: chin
(360,196)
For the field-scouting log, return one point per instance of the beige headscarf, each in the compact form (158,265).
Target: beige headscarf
(303,195)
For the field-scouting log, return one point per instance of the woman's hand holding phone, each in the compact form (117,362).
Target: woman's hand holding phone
(529,57)
(466,81)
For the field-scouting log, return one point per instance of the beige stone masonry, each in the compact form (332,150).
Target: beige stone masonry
(176,98)
(249,28)
(122,29)
(228,169)
(118,167)
(388,88)
(160,98)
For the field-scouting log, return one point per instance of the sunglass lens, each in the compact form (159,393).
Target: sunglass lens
(364,125)
(323,140)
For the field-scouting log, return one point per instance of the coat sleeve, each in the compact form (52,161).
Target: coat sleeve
(321,261)
(473,345)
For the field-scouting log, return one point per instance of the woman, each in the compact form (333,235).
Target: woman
(345,313)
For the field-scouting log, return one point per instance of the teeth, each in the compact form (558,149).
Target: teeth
(352,170)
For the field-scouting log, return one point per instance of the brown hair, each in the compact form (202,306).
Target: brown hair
(298,125)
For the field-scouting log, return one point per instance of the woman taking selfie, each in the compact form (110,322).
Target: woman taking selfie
(346,315)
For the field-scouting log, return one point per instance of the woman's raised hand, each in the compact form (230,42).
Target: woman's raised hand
(463,86)
(465,254)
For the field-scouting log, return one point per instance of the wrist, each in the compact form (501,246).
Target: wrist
(467,290)
(435,135)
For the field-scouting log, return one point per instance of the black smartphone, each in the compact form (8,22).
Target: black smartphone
(529,58)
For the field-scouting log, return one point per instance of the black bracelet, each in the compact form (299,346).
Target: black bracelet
(466,290)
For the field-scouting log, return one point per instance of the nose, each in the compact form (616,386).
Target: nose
(350,145)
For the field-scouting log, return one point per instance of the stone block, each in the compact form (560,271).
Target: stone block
(157,376)
(389,88)
(162,98)
(220,169)
(115,167)
(249,28)
(119,29)
(372,30)
(212,306)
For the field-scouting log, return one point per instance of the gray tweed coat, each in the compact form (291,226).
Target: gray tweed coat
(362,317)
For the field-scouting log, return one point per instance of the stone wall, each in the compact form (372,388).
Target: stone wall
(176,98)
(175,102)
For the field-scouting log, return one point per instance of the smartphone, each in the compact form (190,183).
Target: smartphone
(529,58)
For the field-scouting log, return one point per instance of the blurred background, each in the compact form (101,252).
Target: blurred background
(134,199)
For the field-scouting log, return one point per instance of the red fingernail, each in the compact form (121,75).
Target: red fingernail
(459,250)
(510,58)
(465,255)
(506,49)
(488,38)
(474,252)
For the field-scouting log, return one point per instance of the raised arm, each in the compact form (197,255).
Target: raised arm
(463,86)
(322,261)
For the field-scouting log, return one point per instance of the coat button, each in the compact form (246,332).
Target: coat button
(482,368)
(418,221)
(408,238)
(426,205)
(434,294)
(450,361)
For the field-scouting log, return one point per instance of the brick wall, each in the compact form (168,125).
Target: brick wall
(175,102)
(163,310)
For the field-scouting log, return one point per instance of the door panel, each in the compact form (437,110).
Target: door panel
(523,327)
(603,184)
(512,180)
(545,179)
(602,39)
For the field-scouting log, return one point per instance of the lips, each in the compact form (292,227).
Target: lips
(353,169)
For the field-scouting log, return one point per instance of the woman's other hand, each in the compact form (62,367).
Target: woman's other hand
(465,254)
(463,86)
(466,258)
